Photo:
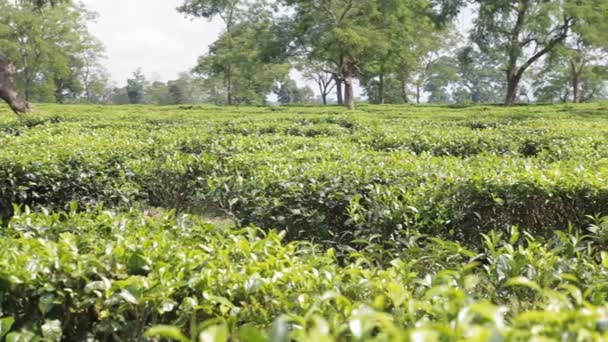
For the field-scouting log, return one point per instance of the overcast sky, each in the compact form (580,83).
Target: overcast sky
(151,34)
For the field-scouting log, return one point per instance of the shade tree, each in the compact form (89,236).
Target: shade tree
(44,49)
(522,32)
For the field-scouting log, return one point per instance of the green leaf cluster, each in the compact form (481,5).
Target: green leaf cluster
(391,223)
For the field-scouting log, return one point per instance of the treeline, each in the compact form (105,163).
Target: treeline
(397,51)
(51,52)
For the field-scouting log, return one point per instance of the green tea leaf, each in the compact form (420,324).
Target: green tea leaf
(168,332)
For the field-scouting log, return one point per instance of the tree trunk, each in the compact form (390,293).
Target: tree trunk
(404,90)
(576,81)
(511,97)
(323,90)
(349,95)
(381,90)
(229,86)
(513,78)
(8,91)
(576,97)
(417,94)
(475,98)
(339,92)
(565,95)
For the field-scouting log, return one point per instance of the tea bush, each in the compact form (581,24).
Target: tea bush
(388,223)
(319,173)
(101,275)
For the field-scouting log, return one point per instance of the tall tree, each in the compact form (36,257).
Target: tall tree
(318,73)
(231,13)
(251,53)
(440,77)
(96,83)
(157,92)
(433,74)
(136,87)
(8,88)
(586,50)
(92,74)
(586,69)
(288,92)
(338,32)
(574,73)
(393,90)
(408,37)
(479,77)
(253,56)
(344,33)
(521,32)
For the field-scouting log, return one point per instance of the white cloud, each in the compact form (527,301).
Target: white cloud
(149,34)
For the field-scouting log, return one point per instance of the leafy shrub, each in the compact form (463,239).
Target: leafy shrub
(108,276)
(322,175)
(393,223)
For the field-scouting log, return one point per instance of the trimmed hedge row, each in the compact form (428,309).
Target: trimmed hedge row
(331,177)
(105,276)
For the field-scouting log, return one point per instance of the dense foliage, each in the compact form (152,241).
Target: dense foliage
(56,58)
(376,51)
(110,276)
(402,51)
(319,173)
(388,223)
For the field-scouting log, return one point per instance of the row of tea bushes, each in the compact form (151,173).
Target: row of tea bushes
(396,194)
(104,276)
(451,172)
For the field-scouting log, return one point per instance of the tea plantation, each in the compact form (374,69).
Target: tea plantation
(391,223)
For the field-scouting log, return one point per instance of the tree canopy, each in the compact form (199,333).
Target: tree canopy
(519,33)
(394,51)
(47,53)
